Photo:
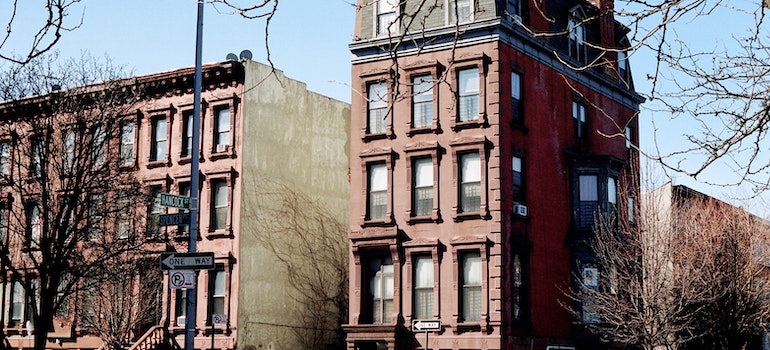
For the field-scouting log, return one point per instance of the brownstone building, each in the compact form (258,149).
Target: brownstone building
(150,141)
(479,161)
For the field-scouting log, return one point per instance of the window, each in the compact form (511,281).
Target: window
(158,147)
(577,37)
(377,106)
(468,94)
(518,179)
(155,211)
(630,209)
(381,289)
(36,159)
(422,200)
(518,286)
(516,105)
(590,280)
(127,137)
(470,296)
(5,159)
(219,204)
(423,288)
(97,146)
(377,201)
(3,225)
(184,190)
(69,151)
(460,11)
(470,183)
(218,288)
(629,137)
(222,129)
(513,7)
(589,200)
(187,133)
(386,17)
(623,65)
(612,194)
(124,217)
(95,216)
(579,117)
(34,225)
(17,302)
(422,101)
(181,307)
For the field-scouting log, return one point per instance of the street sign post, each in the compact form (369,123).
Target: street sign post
(174,201)
(174,219)
(426,326)
(187,261)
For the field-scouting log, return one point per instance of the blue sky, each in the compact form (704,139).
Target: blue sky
(308,40)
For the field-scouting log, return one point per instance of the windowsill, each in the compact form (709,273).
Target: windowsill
(157,163)
(434,218)
(479,122)
(222,155)
(468,216)
(378,222)
(423,130)
(464,327)
(224,233)
(378,136)
(127,166)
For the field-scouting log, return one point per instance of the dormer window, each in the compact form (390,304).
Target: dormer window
(386,17)
(577,36)
(460,11)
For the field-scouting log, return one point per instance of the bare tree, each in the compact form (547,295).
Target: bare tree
(69,207)
(690,271)
(122,299)
(48,20)
(293,227)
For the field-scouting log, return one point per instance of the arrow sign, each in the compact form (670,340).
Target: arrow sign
(426,325)
(187,261)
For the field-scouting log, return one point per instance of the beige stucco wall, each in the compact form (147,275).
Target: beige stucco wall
(295,138)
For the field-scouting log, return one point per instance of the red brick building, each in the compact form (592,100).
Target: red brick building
(479,159)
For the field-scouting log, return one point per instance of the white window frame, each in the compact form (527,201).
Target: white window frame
(423,280)
(468,94)
(159,139)
(470,176)
(127,142)
(423,180)
(222,133)
(471,282)
(422,101)
(377,114)
(219,192)
(377,189)
(386,15)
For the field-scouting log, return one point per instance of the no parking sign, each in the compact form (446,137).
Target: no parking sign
(181,279)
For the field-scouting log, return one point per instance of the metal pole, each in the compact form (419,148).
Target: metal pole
(190,321)
(426,341)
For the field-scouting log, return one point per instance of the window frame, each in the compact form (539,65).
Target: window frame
(460,147)
(124,145)
(6,161)
(459,245)
(453,15)
(426,247)
(155,157)
(98,146)
(95,215)
(432,70)
(517,100)
(37,146)
(576,36)
(213,297)
(387,108)
(220,137)
(368,157)
(33,222)
(228,178)
(418,151)
(480,62)
(580,119)
(518,182)
(186,130)
(69,158)
(393,27)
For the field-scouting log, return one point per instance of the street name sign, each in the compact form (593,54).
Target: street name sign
(187,261)
(174,201)
(174,219)
(426,325)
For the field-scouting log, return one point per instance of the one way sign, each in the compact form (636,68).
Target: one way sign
(426,325)
(187,261)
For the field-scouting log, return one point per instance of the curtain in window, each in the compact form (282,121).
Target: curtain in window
(382,291)
(378,189)
(470,175)
(471,292)
(423,288)
(468,91)
(423,187)
(378,107)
